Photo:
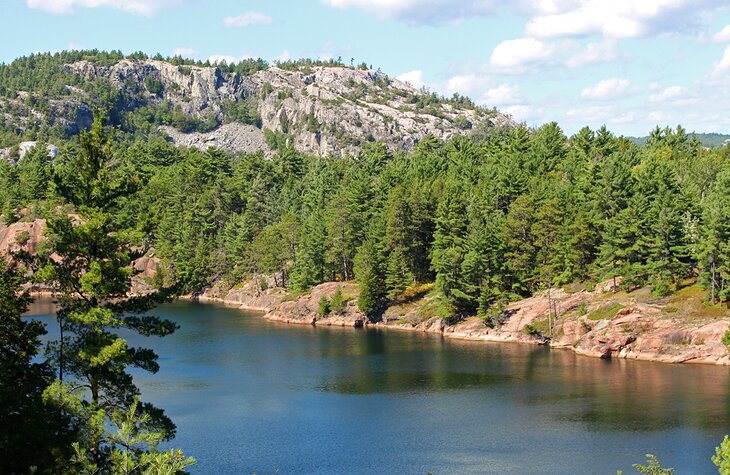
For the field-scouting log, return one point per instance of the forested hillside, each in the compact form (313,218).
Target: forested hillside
(487,221)
(488,217)
(316,107)
(426,195)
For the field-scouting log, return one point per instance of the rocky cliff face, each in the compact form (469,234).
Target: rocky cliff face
(323,110)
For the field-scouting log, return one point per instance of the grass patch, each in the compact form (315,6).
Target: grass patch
(414,292)
(691,304)
(538,327)
(606,312)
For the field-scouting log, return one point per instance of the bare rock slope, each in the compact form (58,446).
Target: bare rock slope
(324,109)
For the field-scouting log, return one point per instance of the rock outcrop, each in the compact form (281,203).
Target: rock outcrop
(597,323)
(28,234)
(21,236)
(324,110)
(235,137)
(303,310)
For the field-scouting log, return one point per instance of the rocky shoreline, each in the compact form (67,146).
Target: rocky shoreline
(635,330)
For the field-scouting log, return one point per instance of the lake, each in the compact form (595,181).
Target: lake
(249,395)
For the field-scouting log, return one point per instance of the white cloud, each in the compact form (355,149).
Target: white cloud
(722,36)
(591,114)
(284,56)
(517,55)
(625,118)
(414,78)
(467,84)
(248,19)
(657,117)
(66,7)
(418,11)
(593,53)
(666,94)
(524,112)
(722,66)
(616,18)
(503,94)
(607,89)
(185,52)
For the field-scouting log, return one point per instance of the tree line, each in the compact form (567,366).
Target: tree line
(486,221)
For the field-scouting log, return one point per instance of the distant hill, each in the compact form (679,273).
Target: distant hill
(708,140)
(321,108)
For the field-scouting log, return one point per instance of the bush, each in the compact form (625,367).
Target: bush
(324,306)
(726,339)
(653,467)
(722,455)
(338,302)
(154,85)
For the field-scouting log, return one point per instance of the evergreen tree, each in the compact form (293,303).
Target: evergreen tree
(449,250)
(369,273)
(714,248)
(91,269)
(34,434)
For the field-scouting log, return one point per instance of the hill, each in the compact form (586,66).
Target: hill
(320,108)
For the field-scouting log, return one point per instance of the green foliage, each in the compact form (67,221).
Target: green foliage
(33,433)
(726,339)
(368,269)
(243,111)
(605,312)
(324,306)
(91,269)
(721,459)
(154,85)
(653,467)
(337,304)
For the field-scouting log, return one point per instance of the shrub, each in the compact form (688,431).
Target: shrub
(722,456)
(324,306)
(338,302)
(153,85)
(726,339)
(22,237)
(266,89)
(653,467)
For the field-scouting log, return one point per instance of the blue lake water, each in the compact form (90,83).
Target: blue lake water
(249,395)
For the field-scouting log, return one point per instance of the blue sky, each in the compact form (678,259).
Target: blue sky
(629,64)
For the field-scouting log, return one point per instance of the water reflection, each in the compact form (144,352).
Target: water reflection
(250,395)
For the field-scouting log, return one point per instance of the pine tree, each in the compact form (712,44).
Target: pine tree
(398,239)
(369,274)
(714,247)
(448,253)
(91,269)
(33,433)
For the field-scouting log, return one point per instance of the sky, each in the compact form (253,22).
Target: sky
(629,64)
